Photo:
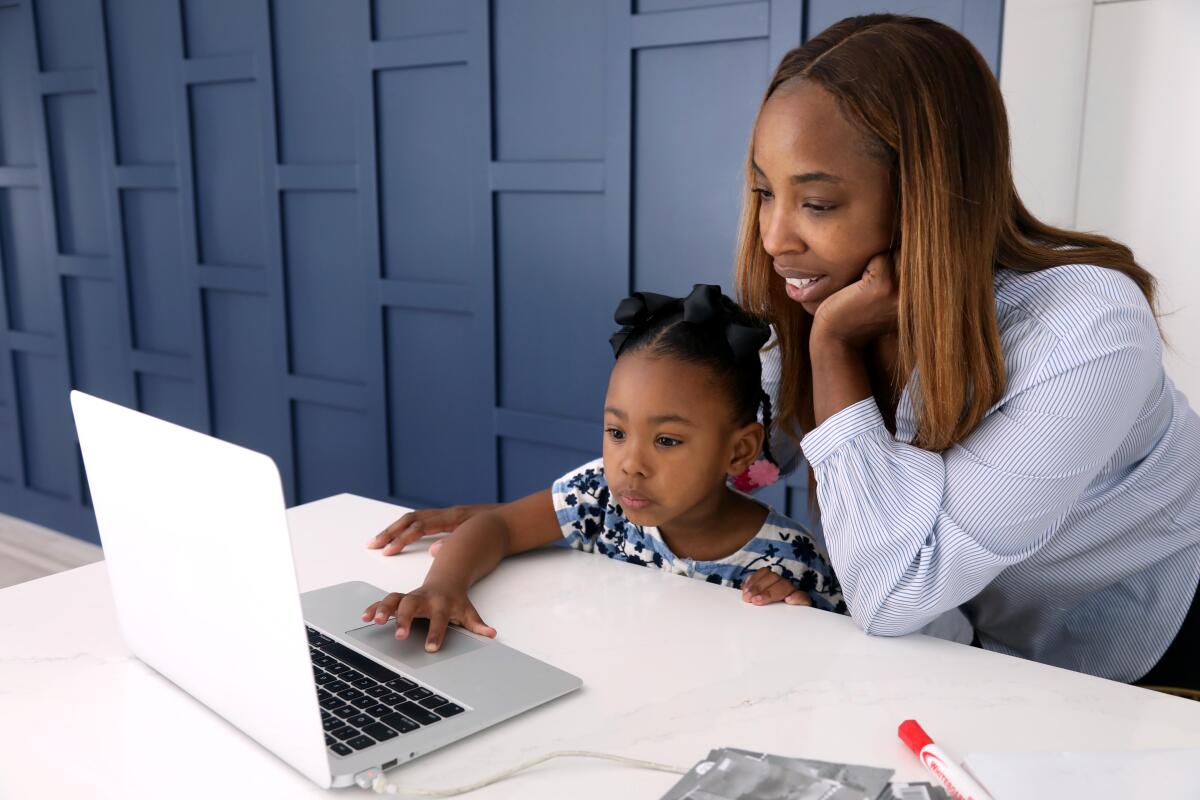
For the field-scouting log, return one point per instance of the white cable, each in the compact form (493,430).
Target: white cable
(383,786)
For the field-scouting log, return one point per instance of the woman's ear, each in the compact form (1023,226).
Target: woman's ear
(747,444)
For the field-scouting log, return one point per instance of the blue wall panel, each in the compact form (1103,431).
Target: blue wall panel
(424,169)
(141,44)
(246,395)
(73,132)
(228,173)
(438,417)
(326,286)
(690,158)
(29,296)
(551,277)
(97,350)
(49,447)
(156,272)
(330,443)
(379,241)
(17,94)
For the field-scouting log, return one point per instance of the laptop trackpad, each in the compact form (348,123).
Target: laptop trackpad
(381,641)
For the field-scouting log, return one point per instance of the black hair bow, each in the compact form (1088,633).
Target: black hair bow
(705,305)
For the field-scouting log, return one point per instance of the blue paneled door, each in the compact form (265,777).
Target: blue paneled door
(379,241)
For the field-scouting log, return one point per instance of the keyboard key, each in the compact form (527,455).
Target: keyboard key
(364,702)
(345,732)
(401,684)
(360,662)
(331,723)
(317,639)
(322,678)
(419,693)
(400,723)
(433,701)
(337,668)
(320,659)
(379,732)
(360,742)
(359,720)
(363,683)
(349,694)
(350,676)
(340,749)
(325,714)
(323,695)
(345,711)
(378,710)
(336,686)
(378,691)
(332,703)
(393,698)
(449,710)
(329,740)
(415,712)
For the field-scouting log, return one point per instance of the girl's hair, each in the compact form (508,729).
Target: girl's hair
(705,328)
(927,106)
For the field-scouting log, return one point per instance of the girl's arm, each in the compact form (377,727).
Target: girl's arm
(468,554)
(478,545)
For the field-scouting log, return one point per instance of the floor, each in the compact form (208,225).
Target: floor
(29,551)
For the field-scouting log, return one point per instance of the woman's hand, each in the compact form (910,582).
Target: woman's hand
(765,587)
(440,604)
(425,522)
(864,310)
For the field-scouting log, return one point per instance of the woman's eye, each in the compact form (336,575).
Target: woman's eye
(817,208)
(764,194)
(616,434)
(667,441)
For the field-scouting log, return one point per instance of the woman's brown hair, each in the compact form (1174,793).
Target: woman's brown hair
(927,103)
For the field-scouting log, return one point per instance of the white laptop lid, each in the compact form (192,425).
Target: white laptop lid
(197,549)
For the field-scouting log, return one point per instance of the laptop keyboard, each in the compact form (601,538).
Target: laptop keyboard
(363,702)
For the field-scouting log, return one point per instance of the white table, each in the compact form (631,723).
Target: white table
(671,668)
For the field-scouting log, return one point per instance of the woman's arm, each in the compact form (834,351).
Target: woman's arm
(914,533)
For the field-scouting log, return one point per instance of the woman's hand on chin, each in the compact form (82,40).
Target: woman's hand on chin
(863,311)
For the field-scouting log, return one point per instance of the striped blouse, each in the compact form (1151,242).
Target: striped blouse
(1066,525)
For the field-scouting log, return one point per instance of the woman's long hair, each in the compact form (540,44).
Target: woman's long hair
(927,103)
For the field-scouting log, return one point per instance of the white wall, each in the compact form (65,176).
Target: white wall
(1104,108)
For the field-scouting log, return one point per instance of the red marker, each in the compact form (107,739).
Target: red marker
(954,778)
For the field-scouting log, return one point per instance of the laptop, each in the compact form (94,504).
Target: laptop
(198,553)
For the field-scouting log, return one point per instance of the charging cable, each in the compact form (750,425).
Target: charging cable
(375,779)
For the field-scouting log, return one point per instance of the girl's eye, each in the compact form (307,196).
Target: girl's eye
(667,441)
(816,208)
(764,194)
(616,434)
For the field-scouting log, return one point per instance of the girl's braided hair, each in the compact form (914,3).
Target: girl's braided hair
(706,328)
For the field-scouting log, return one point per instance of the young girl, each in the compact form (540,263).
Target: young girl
(680,420)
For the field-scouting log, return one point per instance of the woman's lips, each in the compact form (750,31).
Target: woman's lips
(802,290)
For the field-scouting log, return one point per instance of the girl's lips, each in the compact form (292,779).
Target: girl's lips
(805,293)
(634,500)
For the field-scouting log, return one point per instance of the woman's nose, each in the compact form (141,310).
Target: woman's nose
(779,234)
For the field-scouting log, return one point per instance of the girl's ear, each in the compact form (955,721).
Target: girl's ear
(747,444)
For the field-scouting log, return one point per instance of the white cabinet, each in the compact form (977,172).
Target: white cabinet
(1106,138)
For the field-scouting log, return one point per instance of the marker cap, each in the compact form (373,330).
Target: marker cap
(913,735)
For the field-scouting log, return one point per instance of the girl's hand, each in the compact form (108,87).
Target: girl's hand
(425,522)
(864,310)
(765,587)
(441,605)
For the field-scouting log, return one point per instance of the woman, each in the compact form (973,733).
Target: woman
(980,396)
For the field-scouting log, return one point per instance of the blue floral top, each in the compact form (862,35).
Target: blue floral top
(591,521)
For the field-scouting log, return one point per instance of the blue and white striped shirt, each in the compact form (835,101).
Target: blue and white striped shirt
(1067,525)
